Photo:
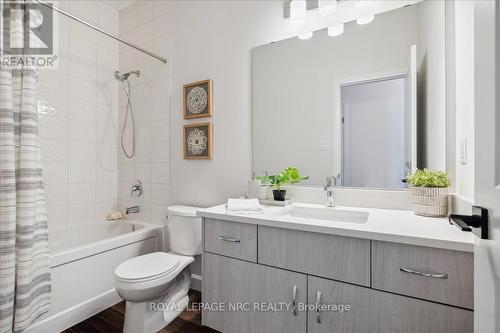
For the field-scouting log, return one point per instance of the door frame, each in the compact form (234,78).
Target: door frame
(337,132)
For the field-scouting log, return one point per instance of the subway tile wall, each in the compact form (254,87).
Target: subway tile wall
(147,24)
(78,111)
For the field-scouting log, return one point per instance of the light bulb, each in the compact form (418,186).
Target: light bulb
(365,19)
(336,30)
(298,13)
(363,4)
(305,35)
(327,7)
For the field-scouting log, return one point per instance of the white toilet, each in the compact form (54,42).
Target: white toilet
(156,285)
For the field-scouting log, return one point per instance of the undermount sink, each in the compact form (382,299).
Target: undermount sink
(325,213)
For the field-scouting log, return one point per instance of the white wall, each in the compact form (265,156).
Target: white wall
(431,103)
(294,103)
(78,112)
(464,73)
(214,39)
(147,24)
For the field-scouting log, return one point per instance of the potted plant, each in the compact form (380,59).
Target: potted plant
(288,176)
(430,192)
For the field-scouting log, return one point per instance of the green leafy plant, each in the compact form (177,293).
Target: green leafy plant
(429,178)
(289,175)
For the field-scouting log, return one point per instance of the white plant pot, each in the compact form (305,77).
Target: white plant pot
(430,201)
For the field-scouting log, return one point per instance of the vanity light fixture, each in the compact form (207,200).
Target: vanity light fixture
(336,30)
(305,35)
(327,7)
(365,19)
(298,13)
(362,4)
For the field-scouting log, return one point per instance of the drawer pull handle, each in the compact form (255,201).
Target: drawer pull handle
(435,276)
(318,299)
(229,239)
(294,301)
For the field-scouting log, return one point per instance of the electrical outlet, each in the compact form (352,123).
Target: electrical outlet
(324,146)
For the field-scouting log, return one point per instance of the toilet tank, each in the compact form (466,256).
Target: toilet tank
(184,230)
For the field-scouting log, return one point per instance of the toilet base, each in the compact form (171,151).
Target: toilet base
(153,315)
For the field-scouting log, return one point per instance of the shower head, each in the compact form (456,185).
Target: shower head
(124,76)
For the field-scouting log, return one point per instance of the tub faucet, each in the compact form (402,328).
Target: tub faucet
(331,182)
(132,209)
(136,189)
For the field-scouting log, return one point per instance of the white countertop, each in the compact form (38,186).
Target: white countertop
(399,226)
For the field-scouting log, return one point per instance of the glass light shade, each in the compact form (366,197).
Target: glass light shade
(363,4)
(305,35)
(298,13)
(365,19)
(336,30)
(327,7)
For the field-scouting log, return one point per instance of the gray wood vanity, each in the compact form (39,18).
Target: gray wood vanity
(389,286)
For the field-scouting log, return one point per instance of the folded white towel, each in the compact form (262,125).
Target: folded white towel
(243,206)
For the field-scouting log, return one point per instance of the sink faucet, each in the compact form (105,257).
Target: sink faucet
(331,182)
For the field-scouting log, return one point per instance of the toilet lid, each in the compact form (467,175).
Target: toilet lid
(148,266)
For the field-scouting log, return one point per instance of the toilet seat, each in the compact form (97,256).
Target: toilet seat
(149,267)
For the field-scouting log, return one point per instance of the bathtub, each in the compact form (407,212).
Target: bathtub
(83,259)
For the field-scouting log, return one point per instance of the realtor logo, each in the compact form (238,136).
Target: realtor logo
(27,34)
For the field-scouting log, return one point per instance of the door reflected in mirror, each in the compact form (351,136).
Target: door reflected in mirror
(374,132)
(360,106)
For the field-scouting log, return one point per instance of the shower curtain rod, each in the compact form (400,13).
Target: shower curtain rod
(164,60)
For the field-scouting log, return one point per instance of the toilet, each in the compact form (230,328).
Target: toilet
(155,286)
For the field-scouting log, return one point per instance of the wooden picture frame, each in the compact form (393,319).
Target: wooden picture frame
(197,99)
(197,141)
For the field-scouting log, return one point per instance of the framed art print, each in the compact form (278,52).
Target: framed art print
(198,141)
(197,99)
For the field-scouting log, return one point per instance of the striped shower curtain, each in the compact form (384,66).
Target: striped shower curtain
(24,249)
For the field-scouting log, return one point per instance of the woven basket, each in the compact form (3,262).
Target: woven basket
(430,201)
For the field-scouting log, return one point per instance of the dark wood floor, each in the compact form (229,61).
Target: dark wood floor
(111,321)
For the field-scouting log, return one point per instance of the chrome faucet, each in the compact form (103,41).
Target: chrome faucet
(331,182)
(132,209)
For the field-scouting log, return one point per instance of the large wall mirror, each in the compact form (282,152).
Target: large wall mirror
(367,106)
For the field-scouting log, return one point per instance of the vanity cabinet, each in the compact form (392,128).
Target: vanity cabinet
(254,296)
(247,264)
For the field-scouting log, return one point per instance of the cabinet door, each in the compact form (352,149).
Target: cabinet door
(373,311)
(265,295)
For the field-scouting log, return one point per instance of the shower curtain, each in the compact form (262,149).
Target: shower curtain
(25,283)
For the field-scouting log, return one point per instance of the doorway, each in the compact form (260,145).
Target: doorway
(375,133)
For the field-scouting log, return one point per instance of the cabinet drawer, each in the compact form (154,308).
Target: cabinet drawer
(237,240)
(439,275)
(373,311)
(340,258)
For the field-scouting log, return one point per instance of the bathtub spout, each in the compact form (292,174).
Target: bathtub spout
(132,210)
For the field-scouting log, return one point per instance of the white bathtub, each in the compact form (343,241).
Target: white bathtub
(83,260)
